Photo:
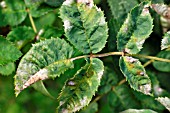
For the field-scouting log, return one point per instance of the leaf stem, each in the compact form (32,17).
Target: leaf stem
(32,22)
(147,63)
(152,58)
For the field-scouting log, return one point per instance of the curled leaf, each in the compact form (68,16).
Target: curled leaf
(46,59)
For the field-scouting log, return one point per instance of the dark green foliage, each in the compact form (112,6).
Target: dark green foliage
(8,52)
(12,12)
(163,66)
(20,36)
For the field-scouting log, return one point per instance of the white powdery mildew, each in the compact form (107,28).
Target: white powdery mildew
(165,101)
(146,89)
(3,4)
(100,75)
(67,25)
(102,21)
(40,75)
(68,2)
(83,102)
(131,60)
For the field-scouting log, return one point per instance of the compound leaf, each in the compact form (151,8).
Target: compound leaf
(79,90)
(8,52)
(135,30)
(85,26)
(46,59)
(12,12)
(162,66)
(135,74)
(7,69)
(20,36)
(164,101)
(166,41)
(138,111)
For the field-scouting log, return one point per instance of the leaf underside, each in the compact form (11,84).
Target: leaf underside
(135,30)
(46,59)
(164,101)
(78,91)
(85,26)
(135,74)
(138,111)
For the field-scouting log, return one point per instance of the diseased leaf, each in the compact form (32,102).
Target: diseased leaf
(8,52)
(20,36)
(148,102)
(135,74)
(135,30)
(121,8)
(164,101)
(12,12)
(166,41)
(46,59)
(162,66)
(138,111)
(85,26)
(7,69)
(79,90)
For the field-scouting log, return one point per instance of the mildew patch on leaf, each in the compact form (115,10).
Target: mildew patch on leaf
(46,59)
(135,74)
(79,90)
(164,101)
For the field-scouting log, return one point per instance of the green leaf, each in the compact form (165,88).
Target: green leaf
(121,8)
(37,8)
(121,97)
(135,74)
(39,86)
(138,111)
(79,90)
(8,52)
(12,12)
(148,102)
(85,26)
(162,66)
(135,30)
(46,59)
(164,101)
(7,69)
(109,79)
(166,41)
(48,32)
(55,3)
(91,108)
(20,36)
